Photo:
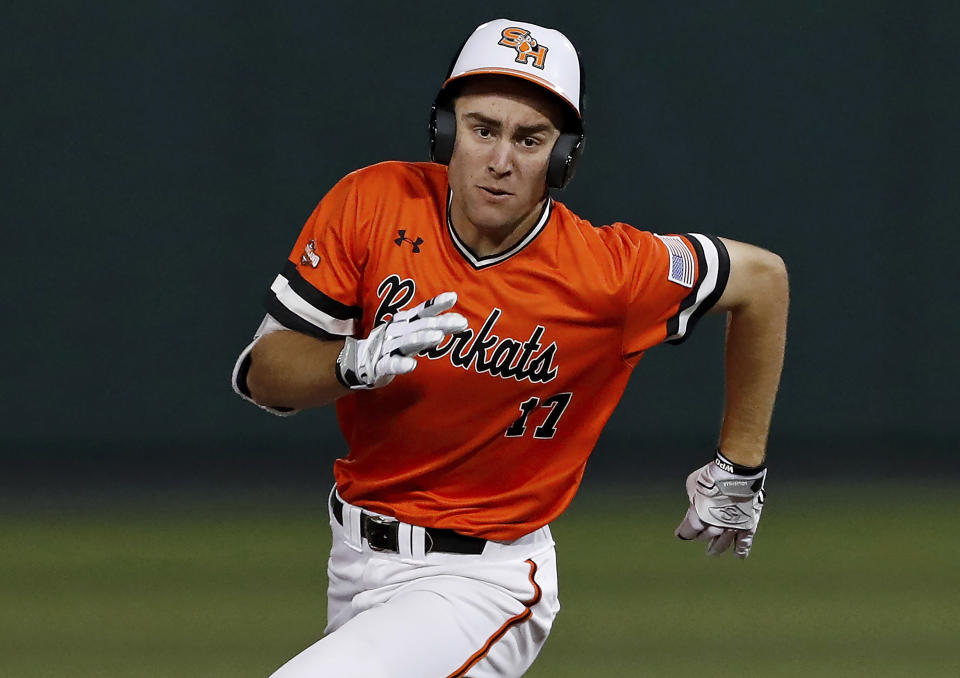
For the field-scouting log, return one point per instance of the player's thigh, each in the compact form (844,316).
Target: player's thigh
(511,648)
(433,629)
(415,634)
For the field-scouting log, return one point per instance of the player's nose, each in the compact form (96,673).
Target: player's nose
(500,160)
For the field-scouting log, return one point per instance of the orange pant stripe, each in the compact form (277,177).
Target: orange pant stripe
(499,633)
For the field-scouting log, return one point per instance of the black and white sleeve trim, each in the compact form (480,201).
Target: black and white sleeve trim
(300,306)
(713,265)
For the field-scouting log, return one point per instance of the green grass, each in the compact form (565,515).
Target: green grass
(862,583)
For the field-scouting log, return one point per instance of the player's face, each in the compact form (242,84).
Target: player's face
(506,129)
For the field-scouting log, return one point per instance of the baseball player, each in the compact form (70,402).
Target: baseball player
(476,335)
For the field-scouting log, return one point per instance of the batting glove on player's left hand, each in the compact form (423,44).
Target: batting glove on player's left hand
(388,351)
(726,500)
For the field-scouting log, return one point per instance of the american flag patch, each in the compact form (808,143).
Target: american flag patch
(682,268)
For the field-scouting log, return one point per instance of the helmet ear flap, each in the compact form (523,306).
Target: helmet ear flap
(563,159)
(443,134)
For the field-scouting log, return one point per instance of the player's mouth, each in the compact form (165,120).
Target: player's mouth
(494,194)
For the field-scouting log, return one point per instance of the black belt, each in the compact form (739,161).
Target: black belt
(381,534)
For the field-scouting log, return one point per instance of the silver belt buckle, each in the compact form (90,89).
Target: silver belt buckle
(383,522)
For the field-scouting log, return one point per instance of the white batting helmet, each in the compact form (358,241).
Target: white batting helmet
(540,55)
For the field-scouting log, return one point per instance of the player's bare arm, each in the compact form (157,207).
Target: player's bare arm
(292,370)
(727,494)
(756,298)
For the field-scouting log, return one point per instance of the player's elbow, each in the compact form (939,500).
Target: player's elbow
(769,268)
(758,277)
(769,281)
(257,381)
(777,273)
(261,379)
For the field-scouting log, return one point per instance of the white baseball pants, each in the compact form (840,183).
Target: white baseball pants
(432,615)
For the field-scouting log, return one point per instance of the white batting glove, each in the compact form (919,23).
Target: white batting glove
(388,351)
(726,500)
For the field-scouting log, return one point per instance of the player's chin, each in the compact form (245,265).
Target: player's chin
(492,217)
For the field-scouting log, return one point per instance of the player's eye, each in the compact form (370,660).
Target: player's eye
(530,142)
(483,133)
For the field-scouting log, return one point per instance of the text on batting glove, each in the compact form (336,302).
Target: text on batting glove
(726,501)
(390,348)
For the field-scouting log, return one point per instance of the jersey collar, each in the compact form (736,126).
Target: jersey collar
(479,262)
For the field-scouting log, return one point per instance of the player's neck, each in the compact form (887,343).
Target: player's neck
(485,241)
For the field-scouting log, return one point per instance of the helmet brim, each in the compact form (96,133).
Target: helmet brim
(529,77)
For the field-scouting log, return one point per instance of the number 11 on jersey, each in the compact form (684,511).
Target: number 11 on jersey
(557,404)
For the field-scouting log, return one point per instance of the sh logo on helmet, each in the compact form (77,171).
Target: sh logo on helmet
(525,44)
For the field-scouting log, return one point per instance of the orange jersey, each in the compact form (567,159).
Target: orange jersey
(490,434)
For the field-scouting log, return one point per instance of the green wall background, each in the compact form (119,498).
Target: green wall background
(160,159)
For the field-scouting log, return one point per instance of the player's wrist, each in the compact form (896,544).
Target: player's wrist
(724,463)
(736,481)
(345,368)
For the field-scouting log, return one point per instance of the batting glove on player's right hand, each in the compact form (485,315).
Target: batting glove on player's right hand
(388,351)
(726,500)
